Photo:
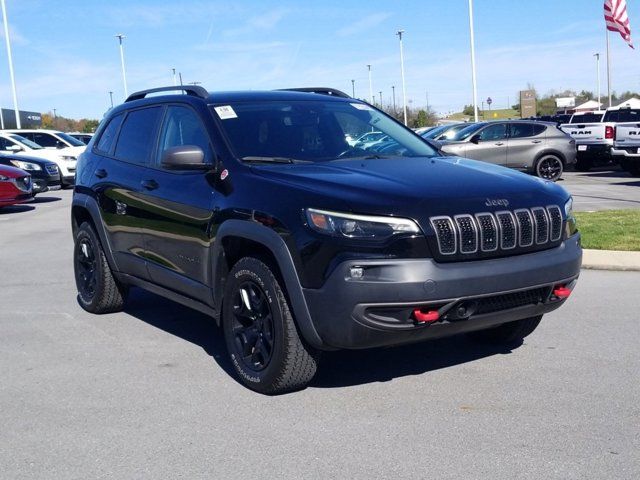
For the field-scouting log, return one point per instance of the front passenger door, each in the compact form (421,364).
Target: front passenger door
(178,207)
(489,145)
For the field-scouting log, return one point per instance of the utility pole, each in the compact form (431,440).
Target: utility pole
(473,63)
(10,58)
(54,113)
(404,89)
(608,70)
(373,100)
(111,97)
(120,36)
(393,89)
(353,88)
(597,55)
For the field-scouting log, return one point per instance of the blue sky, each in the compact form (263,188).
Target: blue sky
(66,56)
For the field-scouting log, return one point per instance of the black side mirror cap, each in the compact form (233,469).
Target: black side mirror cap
(184,157)
(475,139)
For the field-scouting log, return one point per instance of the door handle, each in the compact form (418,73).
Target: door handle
(499,143)
(149,184)
(100,173)
(536,141)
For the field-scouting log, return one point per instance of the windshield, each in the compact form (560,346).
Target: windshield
(314,131)
(622,115)
(70,140)
(434,132)
(26,142)
(467,132)
(590,117)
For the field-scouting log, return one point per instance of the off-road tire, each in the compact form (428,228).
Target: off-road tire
(508,333)
(108,295)
(292,363)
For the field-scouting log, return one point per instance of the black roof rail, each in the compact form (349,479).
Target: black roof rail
(321,90)
(193,90)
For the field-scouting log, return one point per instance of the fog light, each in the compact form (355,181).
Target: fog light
(357,272)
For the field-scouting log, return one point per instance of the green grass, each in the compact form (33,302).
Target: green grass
(498,114)
(610,229)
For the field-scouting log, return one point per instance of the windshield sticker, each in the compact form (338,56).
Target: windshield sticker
(225,112)
(360,106)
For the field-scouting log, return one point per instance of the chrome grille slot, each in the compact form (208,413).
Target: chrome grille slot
(52,169)
(555,220)
(488,232)
(525,227)
(542,225)
(446,234)
(508,230)
(467,233)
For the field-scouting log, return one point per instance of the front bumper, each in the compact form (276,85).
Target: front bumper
(44,183)
(375,310)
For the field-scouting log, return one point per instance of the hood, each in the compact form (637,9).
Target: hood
(415,187)
(46,154)
(12,172)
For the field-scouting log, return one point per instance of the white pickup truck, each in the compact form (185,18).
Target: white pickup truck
(593,133)
(626,146)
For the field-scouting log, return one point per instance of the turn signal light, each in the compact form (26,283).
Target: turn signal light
(425,317)
(609,132)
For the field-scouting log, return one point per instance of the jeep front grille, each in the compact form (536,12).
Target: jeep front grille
(52,169)
(499,231)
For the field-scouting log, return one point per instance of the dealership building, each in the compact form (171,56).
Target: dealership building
(27,119)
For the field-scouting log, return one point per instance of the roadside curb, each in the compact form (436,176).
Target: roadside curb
(611,260)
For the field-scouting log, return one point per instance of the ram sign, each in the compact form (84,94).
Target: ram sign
(27,119)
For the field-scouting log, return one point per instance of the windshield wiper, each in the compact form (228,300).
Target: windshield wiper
(254,159)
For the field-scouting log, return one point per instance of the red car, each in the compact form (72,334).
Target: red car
(15,186)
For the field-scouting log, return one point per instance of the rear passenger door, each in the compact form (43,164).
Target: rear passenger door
(125,150)
(178,209)
(526,139)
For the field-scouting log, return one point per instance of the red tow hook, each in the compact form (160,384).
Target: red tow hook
(425,317)
(562,292)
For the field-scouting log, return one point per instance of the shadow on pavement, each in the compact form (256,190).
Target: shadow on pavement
(20,208)
(41,199)
(337,369)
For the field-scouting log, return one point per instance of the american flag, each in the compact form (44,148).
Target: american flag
(616,18)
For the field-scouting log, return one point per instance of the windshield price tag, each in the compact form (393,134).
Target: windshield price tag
(225,112)
(360,106)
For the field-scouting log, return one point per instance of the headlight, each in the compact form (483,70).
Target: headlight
(347,225)
(572,225)
(3,178)
(67,158)
(27,166)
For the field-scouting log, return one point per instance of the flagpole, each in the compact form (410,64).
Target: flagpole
(608,70)
(473,63)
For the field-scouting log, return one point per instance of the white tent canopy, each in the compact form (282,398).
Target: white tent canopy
(589,106)
(631,103)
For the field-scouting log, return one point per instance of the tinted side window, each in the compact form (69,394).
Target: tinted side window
(521,130)
(44,139)
(137,135)
(538,129)
(182,126)
(622,115)
(5,144)
(494,132)
(108,136)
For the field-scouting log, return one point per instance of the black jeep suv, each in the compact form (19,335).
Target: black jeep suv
(254,208)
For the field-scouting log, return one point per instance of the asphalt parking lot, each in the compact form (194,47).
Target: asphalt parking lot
(146,393)
(602,189)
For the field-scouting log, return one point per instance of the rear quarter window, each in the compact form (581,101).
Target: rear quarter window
(108,136)
(622,115)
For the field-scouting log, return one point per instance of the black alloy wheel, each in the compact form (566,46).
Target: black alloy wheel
(252,326)
(86,269)
(549,167)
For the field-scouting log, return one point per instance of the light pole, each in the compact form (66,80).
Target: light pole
(393,89)
(380,93)
(175,83)
(111,97)
(597,55)
(473,63)
(180,75)
(120,36)
(353,88)
(9,57)
(404,90)
(54,113)
(373,100)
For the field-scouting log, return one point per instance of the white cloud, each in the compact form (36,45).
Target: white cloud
(364,24)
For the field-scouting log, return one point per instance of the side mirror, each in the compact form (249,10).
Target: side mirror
(475,139)
(184,157)
(14,148)
(59,144)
